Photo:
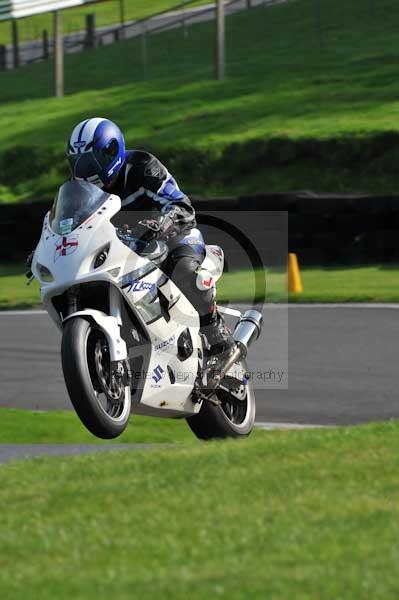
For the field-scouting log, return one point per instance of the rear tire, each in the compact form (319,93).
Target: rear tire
(233,418)
(101,402)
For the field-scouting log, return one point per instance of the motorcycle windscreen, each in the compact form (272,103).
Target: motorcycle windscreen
(74,203)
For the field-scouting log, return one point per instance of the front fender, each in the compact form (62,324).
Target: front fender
(110,327)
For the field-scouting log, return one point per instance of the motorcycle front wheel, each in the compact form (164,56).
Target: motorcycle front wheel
(97,391)
(233,417)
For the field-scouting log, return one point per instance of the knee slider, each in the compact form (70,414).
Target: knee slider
(205,280)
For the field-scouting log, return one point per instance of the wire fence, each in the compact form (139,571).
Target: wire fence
(182,15)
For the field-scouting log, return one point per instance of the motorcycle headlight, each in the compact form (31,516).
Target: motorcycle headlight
(44,273)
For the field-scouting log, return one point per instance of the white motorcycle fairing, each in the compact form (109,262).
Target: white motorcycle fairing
(146,319)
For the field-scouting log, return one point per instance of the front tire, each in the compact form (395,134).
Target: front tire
(101,400)
(231,419)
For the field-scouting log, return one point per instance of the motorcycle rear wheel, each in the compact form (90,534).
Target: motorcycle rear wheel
(101,401)
(232,418)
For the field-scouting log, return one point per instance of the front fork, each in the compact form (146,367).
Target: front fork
(114,303)
(72,306)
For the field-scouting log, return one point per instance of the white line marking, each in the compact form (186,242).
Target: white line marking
(16,313)
(270,426)
(368,305)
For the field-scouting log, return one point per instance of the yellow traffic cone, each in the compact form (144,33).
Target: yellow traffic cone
(294,275)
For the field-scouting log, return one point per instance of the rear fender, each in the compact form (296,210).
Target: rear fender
(110,327)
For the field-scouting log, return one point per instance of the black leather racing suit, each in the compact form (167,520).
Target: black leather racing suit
(146,187)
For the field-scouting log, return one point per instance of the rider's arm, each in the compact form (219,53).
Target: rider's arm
(162,187)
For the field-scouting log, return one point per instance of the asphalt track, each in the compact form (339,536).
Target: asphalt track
(341,367)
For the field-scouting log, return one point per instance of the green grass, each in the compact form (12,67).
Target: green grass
(14,291)
(64,427)
(378,283)
(107,13)
(308,514)
(278,83)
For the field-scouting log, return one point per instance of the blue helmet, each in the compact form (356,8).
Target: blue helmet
(96,151)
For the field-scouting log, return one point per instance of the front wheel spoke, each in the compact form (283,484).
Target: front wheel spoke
(110,407)
(229,410)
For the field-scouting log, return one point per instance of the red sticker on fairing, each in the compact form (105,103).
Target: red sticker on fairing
(65,246)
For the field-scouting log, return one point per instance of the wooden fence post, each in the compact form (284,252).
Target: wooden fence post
(3,57)
(46,49)
(90,39)
(15,43)
(144,51)
(58,56)
(220,40)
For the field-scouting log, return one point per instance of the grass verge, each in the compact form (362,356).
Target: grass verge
(308,514)
(64,427)
(14,291)
(378,283)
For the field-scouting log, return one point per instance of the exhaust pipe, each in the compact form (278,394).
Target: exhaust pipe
(245,333)
(248,330)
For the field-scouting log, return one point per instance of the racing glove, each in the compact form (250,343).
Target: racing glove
(158,227)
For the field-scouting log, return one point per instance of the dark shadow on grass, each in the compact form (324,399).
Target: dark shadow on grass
(394,266)
(10,269)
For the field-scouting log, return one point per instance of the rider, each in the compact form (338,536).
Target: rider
(96,153)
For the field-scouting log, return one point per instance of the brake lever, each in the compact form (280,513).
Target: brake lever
(151,224)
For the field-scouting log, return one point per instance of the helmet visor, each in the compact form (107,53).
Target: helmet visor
(107,155)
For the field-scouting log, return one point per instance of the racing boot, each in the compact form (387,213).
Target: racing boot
(221,344)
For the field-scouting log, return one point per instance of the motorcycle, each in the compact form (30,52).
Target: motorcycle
(131,340)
